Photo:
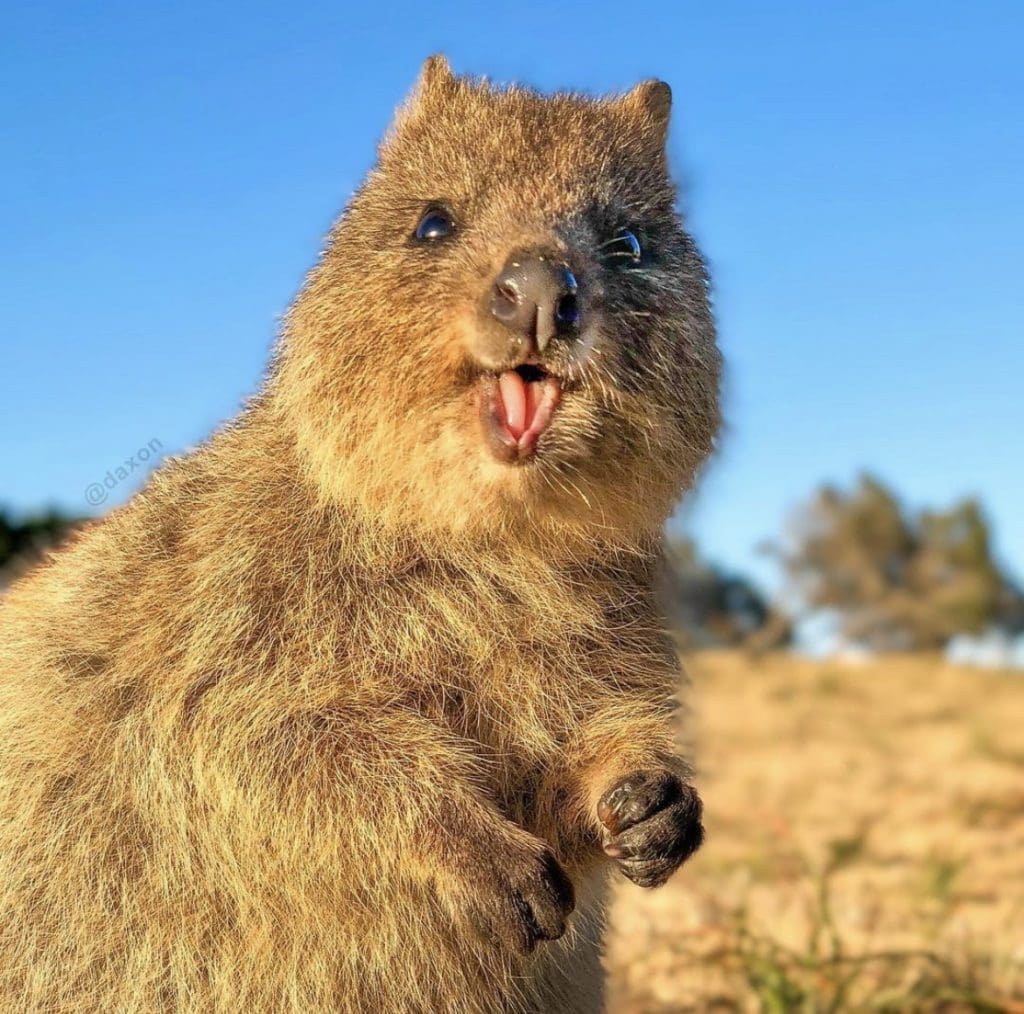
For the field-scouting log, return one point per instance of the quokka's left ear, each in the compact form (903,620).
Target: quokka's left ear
(651,102)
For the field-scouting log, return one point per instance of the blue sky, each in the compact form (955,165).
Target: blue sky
(855,173)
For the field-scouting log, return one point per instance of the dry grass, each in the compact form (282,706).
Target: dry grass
(865,846)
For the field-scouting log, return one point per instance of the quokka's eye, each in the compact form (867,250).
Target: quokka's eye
(622,250)
(436,223)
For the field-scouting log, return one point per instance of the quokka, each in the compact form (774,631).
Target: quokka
(356,707)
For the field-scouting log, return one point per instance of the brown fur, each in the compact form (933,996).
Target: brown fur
(272,733)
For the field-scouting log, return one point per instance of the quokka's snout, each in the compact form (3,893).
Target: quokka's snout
(535,300)
(531,318)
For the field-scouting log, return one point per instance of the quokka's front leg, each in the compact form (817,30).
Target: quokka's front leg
(506,881)
(419,789)
(635,796)
(651,824)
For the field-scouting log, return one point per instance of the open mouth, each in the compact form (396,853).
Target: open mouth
(516,407)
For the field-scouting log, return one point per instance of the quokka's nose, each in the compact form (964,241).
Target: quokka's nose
(534,295)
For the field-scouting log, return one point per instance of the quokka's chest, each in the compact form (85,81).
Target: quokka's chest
(515,666)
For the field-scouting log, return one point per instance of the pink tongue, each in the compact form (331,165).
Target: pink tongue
(513,398)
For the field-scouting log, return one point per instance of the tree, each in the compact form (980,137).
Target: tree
(897,580)
(23,541)
(708,606)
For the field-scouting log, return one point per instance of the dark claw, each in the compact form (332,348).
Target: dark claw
(528,898)
(652,824)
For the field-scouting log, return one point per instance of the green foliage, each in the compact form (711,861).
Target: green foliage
(708,606)
(899,580)
(825,978)
(23,540)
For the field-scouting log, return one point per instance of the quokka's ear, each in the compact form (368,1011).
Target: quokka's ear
(434,87)
(436,71)
(651,102)
(436,81)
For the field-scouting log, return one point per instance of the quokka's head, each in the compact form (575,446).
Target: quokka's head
(509,329)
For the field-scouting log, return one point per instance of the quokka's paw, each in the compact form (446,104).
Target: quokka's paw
(652,823)
(521,896)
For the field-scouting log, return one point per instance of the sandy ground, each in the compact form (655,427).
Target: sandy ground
(865,845)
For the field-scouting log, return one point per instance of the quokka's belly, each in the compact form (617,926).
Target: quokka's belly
(567,976)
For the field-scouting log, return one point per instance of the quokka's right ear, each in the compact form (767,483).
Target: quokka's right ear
(434,88)
(436,73)
(436,82)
